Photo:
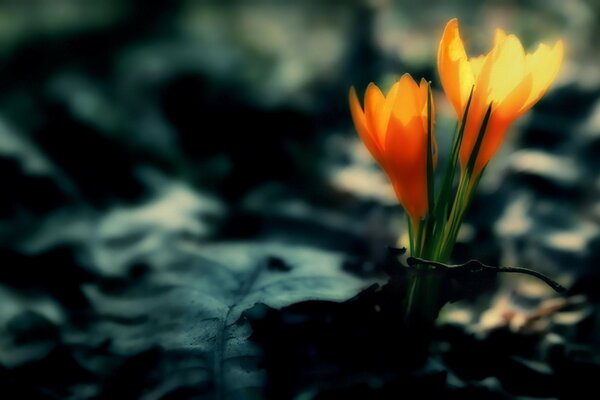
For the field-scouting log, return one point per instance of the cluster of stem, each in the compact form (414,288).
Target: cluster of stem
(434,237)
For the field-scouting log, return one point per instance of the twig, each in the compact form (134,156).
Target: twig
(474,266)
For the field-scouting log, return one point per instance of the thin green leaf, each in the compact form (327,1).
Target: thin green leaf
(480,136)
(430,218)
(411,234)
(449,173)
(444,196)
(465,190)
(430,177)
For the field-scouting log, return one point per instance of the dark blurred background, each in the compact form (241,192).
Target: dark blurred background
(137,134)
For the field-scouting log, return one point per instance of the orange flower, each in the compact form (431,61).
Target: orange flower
(506,77)
(394,130)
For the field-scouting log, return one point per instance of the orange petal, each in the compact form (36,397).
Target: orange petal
(360,122)
(454,68)
(406,104)
(493,139)
(543,65)
(476,64)
(406,159)
(499,37)
(508,69)
(388,106)
(509,108)
(374,104)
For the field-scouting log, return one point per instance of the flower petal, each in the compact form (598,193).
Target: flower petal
(406,159)
(476,64)
(386,111)
(454,68)
(543,65)
(406,104)
(374,102)
(509,108)
(499,37)
(508,70)
(360,122)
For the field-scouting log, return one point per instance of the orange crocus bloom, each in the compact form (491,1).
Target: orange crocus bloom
(506,77)
(394,130)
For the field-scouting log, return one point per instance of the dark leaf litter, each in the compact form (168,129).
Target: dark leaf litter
(121,279)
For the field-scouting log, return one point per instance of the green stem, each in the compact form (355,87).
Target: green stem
(411,234)
(454,220)
(422,306)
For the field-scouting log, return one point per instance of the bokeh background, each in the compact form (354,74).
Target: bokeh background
(139,136)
